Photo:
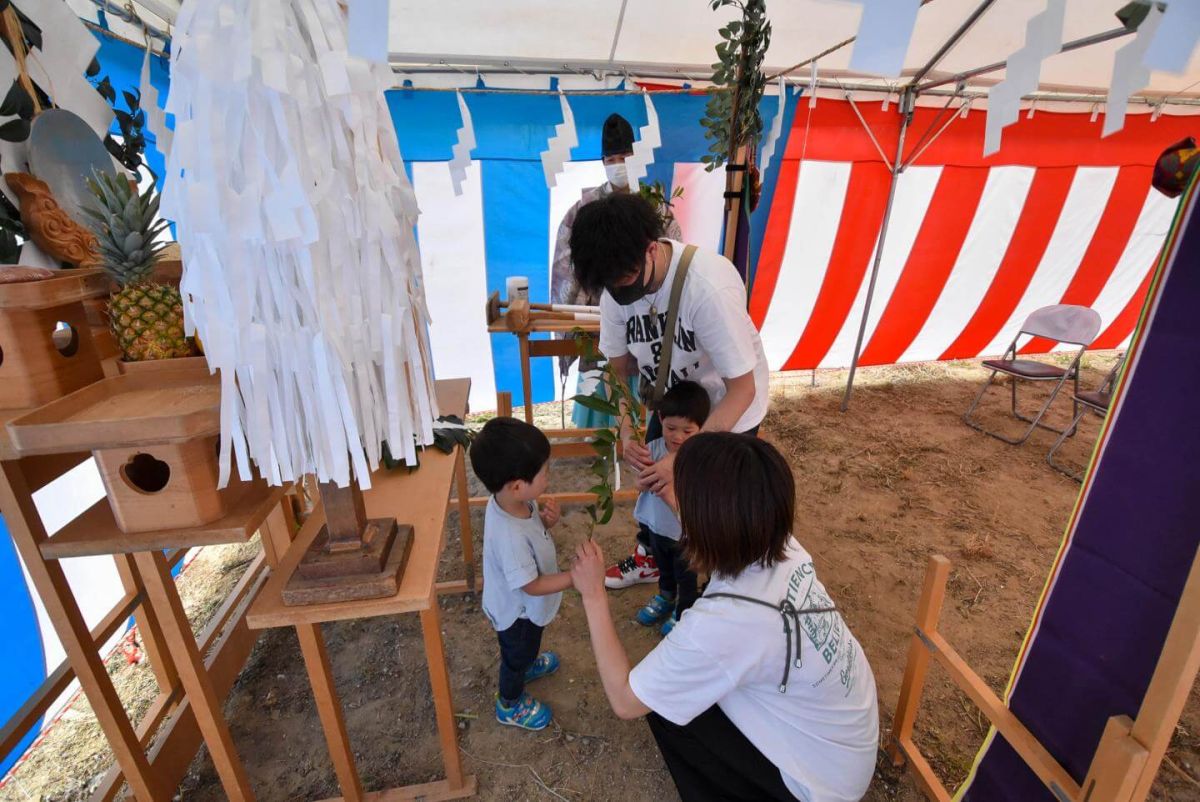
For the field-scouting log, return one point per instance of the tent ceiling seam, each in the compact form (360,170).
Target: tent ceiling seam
(612,53)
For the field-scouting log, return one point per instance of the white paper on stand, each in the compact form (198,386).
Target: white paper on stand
(296,221)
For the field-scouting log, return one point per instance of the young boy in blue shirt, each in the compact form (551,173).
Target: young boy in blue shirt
(522,586)
(683,410)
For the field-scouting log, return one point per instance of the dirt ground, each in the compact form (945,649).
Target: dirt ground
(881,488)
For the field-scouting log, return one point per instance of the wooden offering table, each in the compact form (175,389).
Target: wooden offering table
(420,499)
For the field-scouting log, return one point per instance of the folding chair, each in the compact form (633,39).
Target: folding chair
(1063,323)
(1096,401)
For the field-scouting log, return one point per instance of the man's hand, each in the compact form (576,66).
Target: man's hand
(659,476)
(549,513)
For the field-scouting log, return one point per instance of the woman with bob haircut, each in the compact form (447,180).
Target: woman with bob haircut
(760,691)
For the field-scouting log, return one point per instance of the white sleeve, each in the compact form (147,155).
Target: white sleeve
(723,329)
(612,328)
(678,679)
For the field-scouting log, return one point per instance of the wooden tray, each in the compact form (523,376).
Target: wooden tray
(129,410)
(96,531)
(74,286)
(157,366)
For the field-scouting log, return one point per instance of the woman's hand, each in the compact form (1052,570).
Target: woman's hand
(637,456)
(587,570)
(549,513)
(659,476)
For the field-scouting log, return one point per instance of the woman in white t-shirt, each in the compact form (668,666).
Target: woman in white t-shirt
(619,253)
(760,691)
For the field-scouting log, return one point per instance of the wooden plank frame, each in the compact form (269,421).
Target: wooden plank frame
(1130,752)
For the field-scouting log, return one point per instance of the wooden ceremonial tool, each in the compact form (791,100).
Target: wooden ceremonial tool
(567,311)
(49,226)
(352,557)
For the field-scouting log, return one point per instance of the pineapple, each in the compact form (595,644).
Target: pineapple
(146,318)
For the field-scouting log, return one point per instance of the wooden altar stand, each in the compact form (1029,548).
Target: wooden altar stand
(418,498)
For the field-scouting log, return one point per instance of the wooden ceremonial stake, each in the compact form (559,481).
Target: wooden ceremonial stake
(352,557)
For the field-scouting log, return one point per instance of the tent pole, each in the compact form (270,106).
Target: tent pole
(906,111)
(951,42)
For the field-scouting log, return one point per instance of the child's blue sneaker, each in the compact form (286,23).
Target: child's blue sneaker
(528,713)
(545,665)
(667,626)
(655,610)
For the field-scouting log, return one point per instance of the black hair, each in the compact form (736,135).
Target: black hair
(507,449)
(610,237)
(686,400)
(737,500)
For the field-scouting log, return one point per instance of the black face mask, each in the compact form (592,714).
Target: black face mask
(631,292)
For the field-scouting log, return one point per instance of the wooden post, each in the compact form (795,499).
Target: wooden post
(329,708)
(148,627)
(198,686)
(1172,681)
(734,182)
(345,515)
(276,533)
(504,405)
(929,610)
(1117,764)
(465,535)
(443,703)
(526,377)
(51,585)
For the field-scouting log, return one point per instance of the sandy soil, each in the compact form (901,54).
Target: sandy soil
(881,488)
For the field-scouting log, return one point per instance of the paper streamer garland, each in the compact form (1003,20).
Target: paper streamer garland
(460,154)
(649,138)
(768,148)
(1172,46)
(1129,74)
(296,220)
(558,149)
(1043,38)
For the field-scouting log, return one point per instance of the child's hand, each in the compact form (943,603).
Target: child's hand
(549,513)
(587,570)
(658,476)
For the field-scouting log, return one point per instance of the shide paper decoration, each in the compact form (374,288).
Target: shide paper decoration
(768,147)
(558,149)
(883,36)
(296,220)
(156,118)
(1175,39)
(460,154)
(1043,38)
(1129,74)
(649,138)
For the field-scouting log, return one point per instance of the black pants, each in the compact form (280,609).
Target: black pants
(653,432)
(519,647)
(710,759)
(675,576)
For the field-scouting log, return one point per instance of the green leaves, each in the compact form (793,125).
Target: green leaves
(737,71)
(597,404)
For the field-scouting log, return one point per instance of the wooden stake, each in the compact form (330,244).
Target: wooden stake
(329,708)
(443,703)
(466,536)
(929,611)
(149,627)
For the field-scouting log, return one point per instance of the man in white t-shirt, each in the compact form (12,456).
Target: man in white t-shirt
(617,248)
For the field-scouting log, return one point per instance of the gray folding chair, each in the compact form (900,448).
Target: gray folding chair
(1063,323)
(1096,401)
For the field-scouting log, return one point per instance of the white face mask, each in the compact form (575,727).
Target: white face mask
(617,176)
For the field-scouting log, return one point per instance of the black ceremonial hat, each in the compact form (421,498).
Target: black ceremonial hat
(617,137)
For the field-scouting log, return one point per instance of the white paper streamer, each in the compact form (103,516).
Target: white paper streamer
(156,118)
(296,218)
(812,85)
(558,149)
(1129,74)
(1043,38)
(1172,46)
(643,150)
(58,66)
(768,148)
(884,32)
(461,152)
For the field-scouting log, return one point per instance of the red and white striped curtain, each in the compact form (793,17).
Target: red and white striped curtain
(1059,215)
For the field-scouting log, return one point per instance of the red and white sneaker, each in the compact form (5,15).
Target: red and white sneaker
(635,569)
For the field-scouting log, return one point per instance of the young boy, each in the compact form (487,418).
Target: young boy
(522,586)
(683,410)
